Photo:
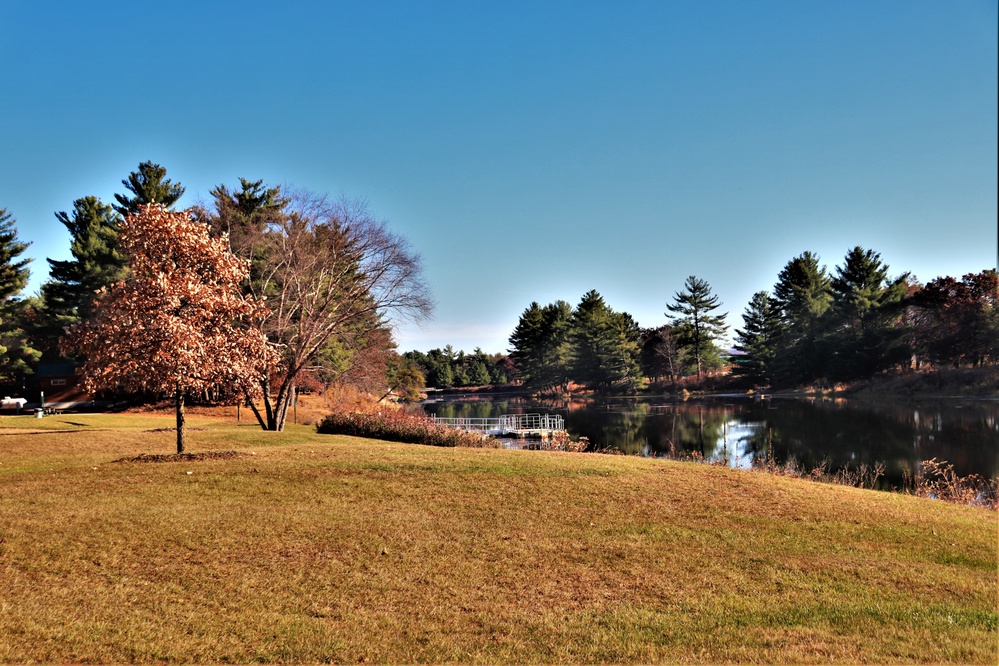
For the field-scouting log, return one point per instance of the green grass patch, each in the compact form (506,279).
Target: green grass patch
(312,547)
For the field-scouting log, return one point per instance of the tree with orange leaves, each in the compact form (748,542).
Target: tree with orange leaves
(177,324)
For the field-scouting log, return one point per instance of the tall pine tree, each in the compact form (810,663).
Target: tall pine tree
(540,346)
(97,262)
(759,338)
(695,305)
(69,293)
(866,310)
(244,215)
(803,294)
(17,356)
(605,345)
(148,185)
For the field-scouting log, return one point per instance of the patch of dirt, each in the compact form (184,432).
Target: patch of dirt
(184,457)
(175,430)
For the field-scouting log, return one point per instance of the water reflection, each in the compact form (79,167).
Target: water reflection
(738,429)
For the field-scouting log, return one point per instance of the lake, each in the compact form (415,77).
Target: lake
(738,429)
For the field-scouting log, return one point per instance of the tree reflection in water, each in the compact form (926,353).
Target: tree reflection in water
(738,429)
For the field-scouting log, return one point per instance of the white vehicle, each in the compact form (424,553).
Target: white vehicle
(12,403)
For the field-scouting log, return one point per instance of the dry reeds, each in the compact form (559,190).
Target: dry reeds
(936,479)
(397,426)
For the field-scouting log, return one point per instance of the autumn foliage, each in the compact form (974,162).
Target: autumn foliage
(179,322)
(395,426)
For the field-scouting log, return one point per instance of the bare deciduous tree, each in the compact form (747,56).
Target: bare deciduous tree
(333,276)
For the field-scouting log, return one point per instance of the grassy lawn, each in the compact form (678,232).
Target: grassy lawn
(326,548)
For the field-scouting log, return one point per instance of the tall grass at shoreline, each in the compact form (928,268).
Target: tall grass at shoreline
(398,426)
(934,480)
(333,548)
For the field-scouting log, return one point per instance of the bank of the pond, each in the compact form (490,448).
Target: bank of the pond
(980,382)
(309,547)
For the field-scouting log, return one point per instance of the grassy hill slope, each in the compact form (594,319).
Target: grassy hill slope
(324,548)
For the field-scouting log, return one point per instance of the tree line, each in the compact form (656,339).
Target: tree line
(592,345)
(447,368)
(150,290)
(323,277)
(814,326)
(858,321)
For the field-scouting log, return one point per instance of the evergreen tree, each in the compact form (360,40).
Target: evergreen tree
(97,262)
(17,356)
(248,206)
(803,294)
(540,346)
(148,185)
(405,379)
(556,357)
(14,272)
(694,305)
(480,363)
(604,345)
(445,376)
(759,338)
(480,374)
(866,311)
(245,215)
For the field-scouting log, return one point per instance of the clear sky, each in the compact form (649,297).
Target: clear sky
(532,151)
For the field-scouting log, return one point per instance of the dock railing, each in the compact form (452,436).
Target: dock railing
(509,424)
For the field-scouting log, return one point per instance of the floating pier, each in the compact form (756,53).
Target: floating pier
(521,426)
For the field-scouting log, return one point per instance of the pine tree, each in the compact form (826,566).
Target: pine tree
(245,215)
(17,356)
(14,272)
(526,347)
(148,185)
(97,262)
(803,294)
(865,337)
(249,207)
(556,354)
(759,338)
(604,345)
(694,305)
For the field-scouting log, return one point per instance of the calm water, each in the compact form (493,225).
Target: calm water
(738,428)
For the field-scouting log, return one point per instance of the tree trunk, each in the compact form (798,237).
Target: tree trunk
(285,395)
(256,412)
(180,419)
(266,386)
(277,411)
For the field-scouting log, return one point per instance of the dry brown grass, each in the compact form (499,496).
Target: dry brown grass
(325,548)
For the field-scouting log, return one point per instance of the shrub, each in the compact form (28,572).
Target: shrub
(937,480)
(560,441)
(396,426)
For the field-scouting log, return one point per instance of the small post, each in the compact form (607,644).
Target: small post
(238,419)
(181,439)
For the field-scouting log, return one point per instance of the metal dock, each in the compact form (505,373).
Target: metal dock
(523,426)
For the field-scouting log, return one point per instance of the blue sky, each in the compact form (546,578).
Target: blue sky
(533,150)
